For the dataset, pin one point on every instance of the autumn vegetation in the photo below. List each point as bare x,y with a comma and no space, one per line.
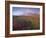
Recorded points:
26,22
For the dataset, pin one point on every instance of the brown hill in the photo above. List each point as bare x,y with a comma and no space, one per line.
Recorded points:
33,17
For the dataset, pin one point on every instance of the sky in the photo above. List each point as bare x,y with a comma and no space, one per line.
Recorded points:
19,11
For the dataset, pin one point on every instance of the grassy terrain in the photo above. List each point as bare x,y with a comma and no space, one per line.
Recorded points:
26,22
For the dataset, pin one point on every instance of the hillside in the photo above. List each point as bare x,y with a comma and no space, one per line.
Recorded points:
34,18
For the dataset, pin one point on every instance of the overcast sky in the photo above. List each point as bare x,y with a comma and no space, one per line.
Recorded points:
18,11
